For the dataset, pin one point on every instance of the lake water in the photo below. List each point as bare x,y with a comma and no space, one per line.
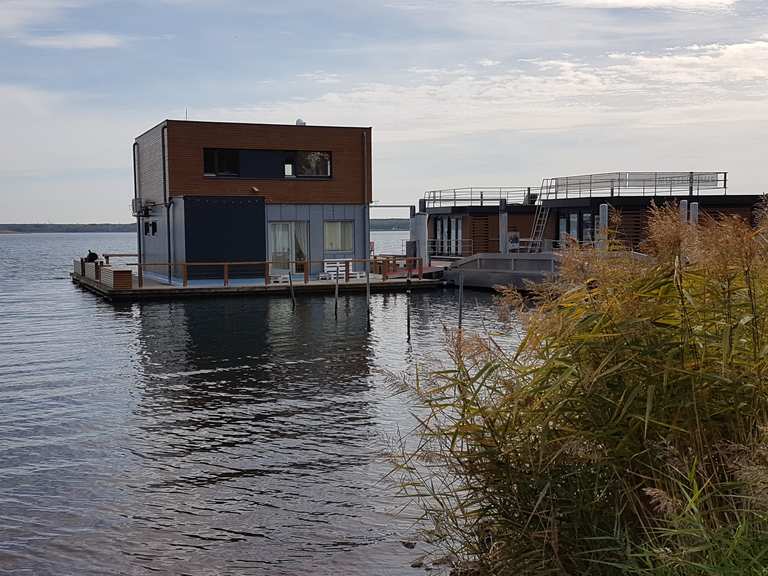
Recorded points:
209,436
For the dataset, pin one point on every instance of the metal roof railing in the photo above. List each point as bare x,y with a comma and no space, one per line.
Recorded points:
635,184
477,196
585,186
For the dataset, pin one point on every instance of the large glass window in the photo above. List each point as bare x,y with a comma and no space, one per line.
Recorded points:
339,236
312,164
586,227
218,162
267,164
289,245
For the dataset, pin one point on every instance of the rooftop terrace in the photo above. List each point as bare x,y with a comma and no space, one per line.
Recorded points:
588,185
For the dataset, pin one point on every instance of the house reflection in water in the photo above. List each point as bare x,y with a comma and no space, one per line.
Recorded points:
257,425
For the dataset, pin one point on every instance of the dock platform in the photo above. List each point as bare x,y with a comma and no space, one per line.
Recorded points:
154,290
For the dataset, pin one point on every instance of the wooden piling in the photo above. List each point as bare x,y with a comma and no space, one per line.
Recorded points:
461,296
336,295
408,304
293,294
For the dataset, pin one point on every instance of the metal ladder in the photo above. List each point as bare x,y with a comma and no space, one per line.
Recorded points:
540,217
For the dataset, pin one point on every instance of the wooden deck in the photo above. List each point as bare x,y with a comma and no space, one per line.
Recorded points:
154,290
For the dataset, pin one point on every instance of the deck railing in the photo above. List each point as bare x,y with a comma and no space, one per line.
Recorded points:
585,186
272,272
635,184
477,196
451,248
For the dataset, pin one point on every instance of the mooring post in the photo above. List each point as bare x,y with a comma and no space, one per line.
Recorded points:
290,283
336,299
461,296
408,303
368,292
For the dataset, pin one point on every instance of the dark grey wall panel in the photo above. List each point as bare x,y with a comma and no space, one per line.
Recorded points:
224,229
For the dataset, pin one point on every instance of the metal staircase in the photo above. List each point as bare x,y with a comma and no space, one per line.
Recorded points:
540,216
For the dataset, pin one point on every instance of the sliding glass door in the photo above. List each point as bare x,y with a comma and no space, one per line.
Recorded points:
289,246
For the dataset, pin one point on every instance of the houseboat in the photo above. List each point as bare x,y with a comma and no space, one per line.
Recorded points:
468,228
214,192
460,222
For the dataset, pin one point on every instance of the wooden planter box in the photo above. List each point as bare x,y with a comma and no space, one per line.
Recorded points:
117,278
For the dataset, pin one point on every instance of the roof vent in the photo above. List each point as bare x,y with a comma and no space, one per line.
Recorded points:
300,122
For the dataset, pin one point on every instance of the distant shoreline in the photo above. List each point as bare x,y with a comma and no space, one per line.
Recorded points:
377,225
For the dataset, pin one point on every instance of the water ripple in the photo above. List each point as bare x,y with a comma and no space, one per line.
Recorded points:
222,436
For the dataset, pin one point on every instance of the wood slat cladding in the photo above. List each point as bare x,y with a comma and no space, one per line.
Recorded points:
149,165
350,149
480,234
633,227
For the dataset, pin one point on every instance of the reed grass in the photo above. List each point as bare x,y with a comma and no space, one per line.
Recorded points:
627,432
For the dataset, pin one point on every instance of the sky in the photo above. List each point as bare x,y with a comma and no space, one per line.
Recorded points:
458,92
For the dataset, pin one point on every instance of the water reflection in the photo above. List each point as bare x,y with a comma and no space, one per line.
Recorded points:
233,436
260,415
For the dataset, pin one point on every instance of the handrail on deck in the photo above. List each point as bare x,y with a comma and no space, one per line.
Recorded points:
386,266
107,256
634,184
477,196
584,186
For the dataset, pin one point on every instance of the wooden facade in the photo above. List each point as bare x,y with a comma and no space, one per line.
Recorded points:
220,191
350,181
481,230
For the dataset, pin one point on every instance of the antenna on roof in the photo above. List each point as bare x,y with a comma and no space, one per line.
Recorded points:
300,122
186,116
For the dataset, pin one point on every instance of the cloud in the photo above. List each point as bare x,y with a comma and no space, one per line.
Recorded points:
689,85
19,20
682,5
75,41
320,77
686,5
487,62
18,15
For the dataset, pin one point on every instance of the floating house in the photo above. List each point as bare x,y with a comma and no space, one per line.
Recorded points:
461,222
294,195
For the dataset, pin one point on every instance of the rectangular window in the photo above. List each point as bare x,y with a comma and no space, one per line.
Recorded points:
266,164
221,162
339,236
586,227
313,164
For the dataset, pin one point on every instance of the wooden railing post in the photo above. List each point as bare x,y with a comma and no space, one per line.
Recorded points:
421,268
141,274
346,271
306,272
267,271
226,274
185,275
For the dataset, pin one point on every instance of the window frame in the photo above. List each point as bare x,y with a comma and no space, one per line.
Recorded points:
217,173
326,249
291,158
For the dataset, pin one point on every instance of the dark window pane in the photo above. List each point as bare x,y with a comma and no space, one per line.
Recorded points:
228,163
209,162
313,164
261,164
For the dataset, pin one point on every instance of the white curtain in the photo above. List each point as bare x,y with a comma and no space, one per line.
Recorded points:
339,236
280,244
301,239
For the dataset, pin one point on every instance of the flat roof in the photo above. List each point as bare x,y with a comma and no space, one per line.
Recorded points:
220,122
